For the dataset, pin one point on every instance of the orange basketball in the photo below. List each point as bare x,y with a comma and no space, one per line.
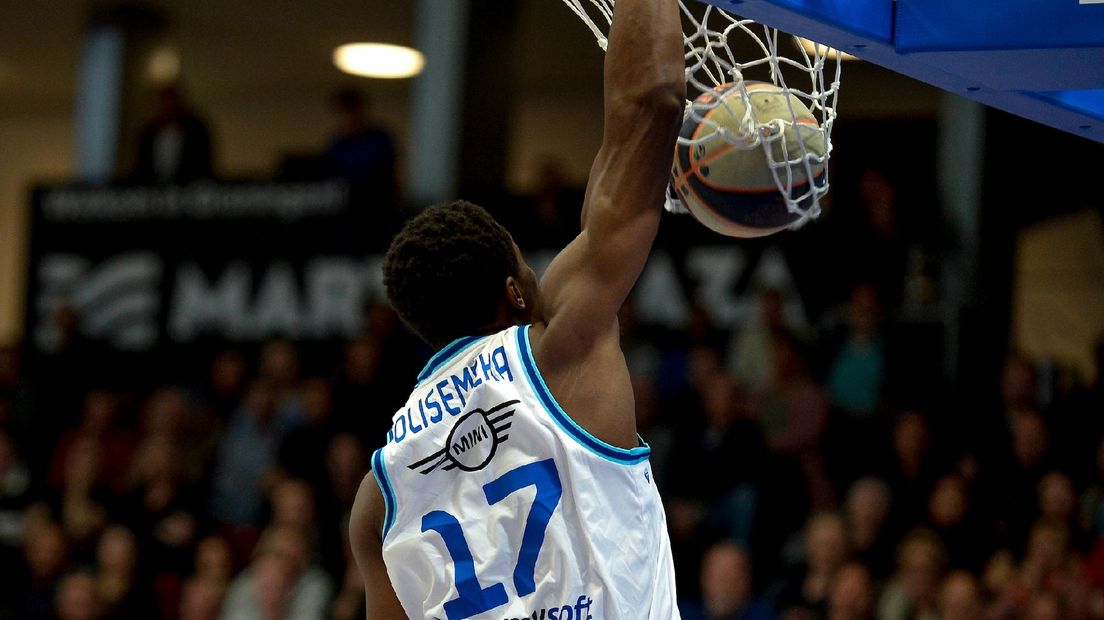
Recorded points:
733,190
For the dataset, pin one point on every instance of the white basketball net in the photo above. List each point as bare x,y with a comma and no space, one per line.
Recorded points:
710,36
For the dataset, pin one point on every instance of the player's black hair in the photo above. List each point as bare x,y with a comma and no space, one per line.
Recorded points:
445,271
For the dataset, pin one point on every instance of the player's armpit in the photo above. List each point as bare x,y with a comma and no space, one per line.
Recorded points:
365,526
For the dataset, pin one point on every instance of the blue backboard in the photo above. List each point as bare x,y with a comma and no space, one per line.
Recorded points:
1041,59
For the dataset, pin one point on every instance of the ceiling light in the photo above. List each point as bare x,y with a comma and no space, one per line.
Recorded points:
811,47
379,60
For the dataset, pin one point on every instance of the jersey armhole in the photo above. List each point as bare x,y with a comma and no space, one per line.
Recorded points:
559,416
379,472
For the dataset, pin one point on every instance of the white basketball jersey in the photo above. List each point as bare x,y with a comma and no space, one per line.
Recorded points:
499,506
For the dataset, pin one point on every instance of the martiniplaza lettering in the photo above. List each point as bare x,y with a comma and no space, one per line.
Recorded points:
449,395
579,611
139,299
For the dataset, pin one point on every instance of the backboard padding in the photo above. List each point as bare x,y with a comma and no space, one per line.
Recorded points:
974,51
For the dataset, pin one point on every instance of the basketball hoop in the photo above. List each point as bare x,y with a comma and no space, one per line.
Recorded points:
713,38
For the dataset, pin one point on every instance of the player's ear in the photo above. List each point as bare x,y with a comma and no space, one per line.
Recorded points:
513,293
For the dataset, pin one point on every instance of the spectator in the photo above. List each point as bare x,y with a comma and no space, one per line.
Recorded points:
729,446
876,251
360,390
77,599
1015,485
793,414
992,430
751,350
227,379
950,519
959,598
1048,569
869,534
175,145
29,592
1058,505
213,561
244,465
280,583
349,604
122,588
809,587
857,370
912,593
161,507
1019,386
360,151
281,367
83,500
346,464
1046,606
852,596
551,219
303,451
98,432
659,435
246,455
856,376
293,504
169,413
726,588
910,472
201,599
999,574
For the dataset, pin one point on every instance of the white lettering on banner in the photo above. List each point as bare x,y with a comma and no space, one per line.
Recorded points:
1092,1
119,299
277,306
771,272
337,292
198,307
716,270
203,200
334,293
659,297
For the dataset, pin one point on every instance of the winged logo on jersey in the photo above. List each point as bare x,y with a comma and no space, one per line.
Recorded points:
472,442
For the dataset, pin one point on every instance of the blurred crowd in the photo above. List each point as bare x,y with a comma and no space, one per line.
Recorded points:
795,488
808,471
223,495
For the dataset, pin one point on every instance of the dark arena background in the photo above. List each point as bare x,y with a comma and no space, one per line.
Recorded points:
894,413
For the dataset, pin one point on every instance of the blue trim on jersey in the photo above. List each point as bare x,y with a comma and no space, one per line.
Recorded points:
446,354
564,421
379,471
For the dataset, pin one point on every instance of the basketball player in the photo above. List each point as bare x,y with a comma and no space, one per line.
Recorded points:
513,483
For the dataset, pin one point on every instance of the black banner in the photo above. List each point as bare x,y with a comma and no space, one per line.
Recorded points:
145,267
166,275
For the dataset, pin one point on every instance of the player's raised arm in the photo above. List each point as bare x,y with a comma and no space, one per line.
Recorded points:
587,283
